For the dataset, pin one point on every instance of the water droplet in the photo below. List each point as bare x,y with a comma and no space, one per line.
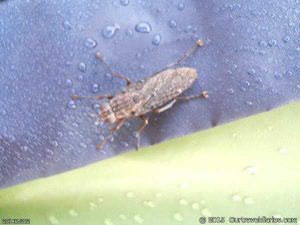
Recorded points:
129,32
67,25
93,206
150,204
248,201
24,148
278,76
143,27
251,170
178,216
286,39
110,31
262,43
53,220
69,83
95,88
129,194
108,222
71,104
156,39
82,67
283,151
236,198
206,212
73,212
49,152
124,2
54,143
158,195
172,24
272,42
195,206
183,202
249,103
138,219
183,185
90,43
180,6
123,217
251,72
230,91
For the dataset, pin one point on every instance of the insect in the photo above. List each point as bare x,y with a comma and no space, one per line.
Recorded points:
156,93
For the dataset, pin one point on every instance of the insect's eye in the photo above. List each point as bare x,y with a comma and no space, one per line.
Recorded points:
136,99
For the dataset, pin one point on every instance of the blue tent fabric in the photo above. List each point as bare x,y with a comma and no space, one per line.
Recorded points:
250,63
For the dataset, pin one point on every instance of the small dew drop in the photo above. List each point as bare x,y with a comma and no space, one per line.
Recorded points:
251,72
108,222
172,24
93,206
272,42
278,76
90,43
262,43
178,216
129,32
124,2
206,212
123,217
180,6
110,31
230,91
248,201
283,151
251,170
286,39
236,198
156,39
158,195
130,194
73,212
71,104
82,67
69,83
143,27
183,202
195,206
150,204
95,88
53,220
137,218
67,25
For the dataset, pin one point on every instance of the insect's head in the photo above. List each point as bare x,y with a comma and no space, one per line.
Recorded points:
107,115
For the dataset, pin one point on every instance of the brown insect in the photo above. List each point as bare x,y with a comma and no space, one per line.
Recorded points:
155,93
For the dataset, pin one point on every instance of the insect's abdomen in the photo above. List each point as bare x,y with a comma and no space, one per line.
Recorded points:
168,84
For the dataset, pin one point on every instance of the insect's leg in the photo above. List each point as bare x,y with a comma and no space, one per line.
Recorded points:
204,94
138,132
99,97
165,107
111,131
100,57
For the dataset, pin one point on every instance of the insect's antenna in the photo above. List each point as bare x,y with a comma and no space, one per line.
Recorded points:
188,53
100,57
99,97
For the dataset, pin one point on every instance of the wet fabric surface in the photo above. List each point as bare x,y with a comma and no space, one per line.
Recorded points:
250,63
